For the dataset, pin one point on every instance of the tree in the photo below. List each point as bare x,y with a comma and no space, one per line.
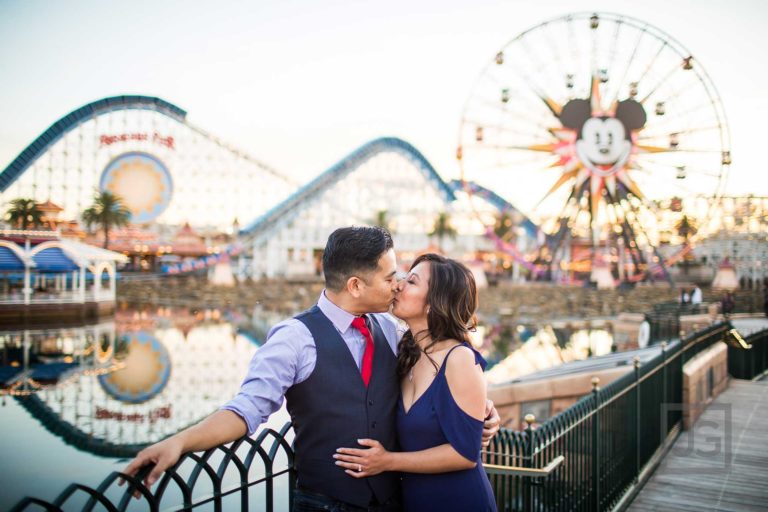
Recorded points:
107,211
24,213
443,228
504,227
382,220
686,228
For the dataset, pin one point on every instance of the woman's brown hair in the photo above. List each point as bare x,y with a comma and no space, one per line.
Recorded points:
452,301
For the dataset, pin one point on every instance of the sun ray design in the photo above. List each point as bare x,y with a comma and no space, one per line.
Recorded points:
596,148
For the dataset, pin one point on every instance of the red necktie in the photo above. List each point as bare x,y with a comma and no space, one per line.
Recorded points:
367,366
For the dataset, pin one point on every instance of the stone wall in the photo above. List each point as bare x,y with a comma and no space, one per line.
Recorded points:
530,302
704,377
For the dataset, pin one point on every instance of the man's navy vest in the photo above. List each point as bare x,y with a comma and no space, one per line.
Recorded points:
333,409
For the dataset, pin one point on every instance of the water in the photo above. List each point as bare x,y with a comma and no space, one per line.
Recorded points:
113,387
139,378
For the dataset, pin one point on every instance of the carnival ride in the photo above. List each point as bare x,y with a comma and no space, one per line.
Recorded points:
595,126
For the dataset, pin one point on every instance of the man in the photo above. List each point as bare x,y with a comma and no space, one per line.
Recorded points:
333,399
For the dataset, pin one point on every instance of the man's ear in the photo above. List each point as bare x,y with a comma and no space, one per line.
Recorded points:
354,285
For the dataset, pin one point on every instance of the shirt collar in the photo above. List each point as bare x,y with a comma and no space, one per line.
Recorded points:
340,318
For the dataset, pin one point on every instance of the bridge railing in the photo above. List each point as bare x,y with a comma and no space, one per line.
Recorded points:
610,439
592,456
748,362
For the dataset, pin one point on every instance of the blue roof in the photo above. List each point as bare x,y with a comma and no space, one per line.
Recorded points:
9,261
53,259
61,127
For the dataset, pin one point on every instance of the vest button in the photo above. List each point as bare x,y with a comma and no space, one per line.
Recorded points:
373,425
370,402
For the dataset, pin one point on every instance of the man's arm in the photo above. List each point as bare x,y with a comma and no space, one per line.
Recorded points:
288,357
220,427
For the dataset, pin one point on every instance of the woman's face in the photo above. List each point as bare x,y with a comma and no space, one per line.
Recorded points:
411,297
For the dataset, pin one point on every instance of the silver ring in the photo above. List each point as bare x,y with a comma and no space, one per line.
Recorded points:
359,468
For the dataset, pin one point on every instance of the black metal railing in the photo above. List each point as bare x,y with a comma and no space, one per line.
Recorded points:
591,457
610,439
751,363
250,474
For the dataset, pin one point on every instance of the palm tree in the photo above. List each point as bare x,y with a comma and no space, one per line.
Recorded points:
382,220
686,228
107,211
504,227
443,228
24,213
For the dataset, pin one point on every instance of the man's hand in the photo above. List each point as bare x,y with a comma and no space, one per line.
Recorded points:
163,455
492,423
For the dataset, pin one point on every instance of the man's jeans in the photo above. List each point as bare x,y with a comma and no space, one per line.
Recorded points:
305,501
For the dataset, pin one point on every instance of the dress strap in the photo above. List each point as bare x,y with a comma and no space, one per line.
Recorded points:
478,358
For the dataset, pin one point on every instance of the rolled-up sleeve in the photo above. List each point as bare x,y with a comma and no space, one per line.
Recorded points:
287,357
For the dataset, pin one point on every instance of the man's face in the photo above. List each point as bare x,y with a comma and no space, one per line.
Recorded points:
377,288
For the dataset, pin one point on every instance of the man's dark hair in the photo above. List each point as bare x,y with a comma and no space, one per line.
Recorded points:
351,251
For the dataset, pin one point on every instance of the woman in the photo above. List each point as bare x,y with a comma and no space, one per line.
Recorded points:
443,392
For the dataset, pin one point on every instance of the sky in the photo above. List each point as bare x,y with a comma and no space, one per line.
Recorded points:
299,84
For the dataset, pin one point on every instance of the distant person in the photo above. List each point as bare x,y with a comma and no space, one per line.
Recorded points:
443,393
727,304
644,332
336,365
684,297
696,297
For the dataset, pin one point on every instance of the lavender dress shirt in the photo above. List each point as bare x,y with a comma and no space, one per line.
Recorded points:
288,357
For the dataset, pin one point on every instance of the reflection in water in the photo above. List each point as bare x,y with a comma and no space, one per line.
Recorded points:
129,382
113,387
540,349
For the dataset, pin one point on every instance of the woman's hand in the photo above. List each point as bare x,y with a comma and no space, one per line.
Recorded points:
363,462
492,423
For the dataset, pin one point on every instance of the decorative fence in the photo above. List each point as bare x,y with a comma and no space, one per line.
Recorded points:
251,474
591,457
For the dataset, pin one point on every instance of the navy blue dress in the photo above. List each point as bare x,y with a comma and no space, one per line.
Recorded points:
434,419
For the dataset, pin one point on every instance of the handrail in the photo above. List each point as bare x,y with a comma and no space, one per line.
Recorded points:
497,469
735,340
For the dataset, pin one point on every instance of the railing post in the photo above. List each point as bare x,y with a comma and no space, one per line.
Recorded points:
664,388
636,361
596,444
528,462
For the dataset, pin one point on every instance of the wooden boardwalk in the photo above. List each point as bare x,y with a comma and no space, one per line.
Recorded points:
722,463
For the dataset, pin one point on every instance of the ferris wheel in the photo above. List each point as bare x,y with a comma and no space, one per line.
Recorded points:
597,127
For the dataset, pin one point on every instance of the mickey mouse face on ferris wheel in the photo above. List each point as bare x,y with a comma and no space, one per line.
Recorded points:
603,142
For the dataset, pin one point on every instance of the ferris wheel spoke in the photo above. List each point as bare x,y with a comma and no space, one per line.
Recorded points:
647,160
530,117
550,39
573,43
544,147
675,69
651,63
669,135
506,129
537,64
631,59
